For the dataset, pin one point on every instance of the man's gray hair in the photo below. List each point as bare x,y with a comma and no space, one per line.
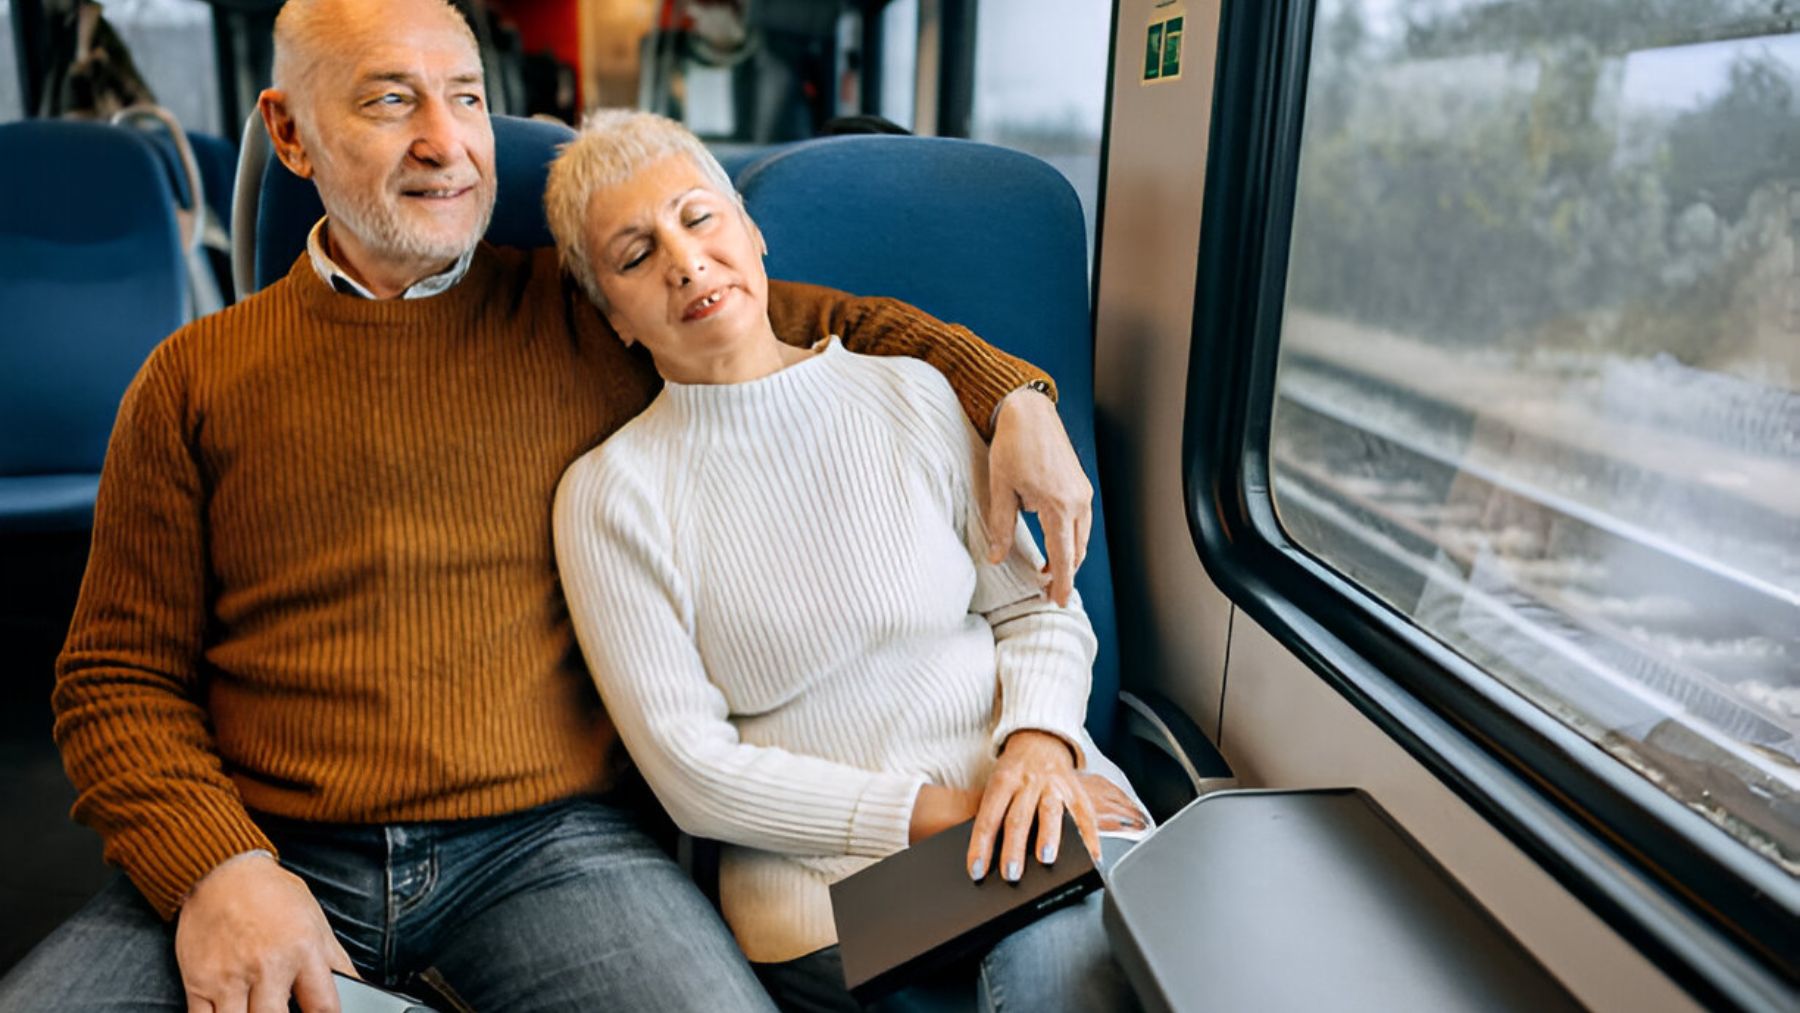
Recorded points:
612,146
304,32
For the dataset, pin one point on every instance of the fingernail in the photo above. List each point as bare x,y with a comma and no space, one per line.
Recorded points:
1013,872
978,870
1048,855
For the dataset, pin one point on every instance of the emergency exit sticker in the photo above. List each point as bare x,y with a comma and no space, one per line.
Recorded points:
1162,50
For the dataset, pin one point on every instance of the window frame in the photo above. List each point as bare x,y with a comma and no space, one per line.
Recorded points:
1704,908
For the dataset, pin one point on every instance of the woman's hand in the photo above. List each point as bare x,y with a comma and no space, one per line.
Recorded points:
1035,780
1113,809
937,808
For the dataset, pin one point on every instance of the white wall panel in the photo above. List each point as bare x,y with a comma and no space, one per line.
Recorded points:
1172,622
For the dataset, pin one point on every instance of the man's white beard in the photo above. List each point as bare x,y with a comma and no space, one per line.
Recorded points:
379,226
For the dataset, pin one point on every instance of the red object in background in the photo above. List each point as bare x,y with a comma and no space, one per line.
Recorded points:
548,24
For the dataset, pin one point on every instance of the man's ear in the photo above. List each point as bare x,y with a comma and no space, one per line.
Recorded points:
284,131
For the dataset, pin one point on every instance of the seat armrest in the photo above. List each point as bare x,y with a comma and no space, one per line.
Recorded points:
1166,756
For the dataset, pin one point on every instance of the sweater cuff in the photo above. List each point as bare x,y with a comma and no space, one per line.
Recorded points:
982,392
1041,701
882,822
166,857
1069,738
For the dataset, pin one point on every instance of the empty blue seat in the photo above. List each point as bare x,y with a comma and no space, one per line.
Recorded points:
288,206
982,236
734,157
91,276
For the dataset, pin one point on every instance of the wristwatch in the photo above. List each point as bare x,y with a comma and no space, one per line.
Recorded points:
1041,386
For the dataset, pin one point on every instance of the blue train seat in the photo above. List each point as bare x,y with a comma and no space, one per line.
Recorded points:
983,236
217,158
91,275
285,207
735,157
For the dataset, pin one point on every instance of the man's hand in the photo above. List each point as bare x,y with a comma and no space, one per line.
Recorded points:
1032,464
1035,780
251,935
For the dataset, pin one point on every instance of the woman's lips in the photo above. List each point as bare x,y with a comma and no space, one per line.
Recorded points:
705,306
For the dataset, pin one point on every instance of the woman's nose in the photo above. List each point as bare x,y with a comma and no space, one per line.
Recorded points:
686,262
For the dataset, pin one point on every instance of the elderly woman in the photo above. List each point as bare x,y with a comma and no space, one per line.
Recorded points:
780,578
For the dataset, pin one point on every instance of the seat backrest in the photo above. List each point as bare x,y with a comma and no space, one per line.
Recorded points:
978,235
217,158
91,275
288,206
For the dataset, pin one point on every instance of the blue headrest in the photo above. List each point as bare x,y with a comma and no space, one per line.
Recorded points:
735,157
978,235
91,277
523,149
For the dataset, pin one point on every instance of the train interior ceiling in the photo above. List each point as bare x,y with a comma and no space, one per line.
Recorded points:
1445,409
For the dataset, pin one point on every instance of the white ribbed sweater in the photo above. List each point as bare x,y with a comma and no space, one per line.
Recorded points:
777,589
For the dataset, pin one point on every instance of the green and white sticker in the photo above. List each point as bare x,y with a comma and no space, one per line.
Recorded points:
1162,50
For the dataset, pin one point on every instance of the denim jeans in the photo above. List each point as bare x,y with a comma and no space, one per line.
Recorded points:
1059,962
567,907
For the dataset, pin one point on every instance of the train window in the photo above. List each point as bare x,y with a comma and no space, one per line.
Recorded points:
1539,369
12,103
171,42
762,73
1040,85
899,60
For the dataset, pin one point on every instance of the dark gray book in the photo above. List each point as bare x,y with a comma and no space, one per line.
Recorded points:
916,911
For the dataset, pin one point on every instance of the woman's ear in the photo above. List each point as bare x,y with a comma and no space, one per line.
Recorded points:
624,335
617,325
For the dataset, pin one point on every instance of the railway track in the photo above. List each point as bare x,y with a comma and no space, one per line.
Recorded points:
1614,626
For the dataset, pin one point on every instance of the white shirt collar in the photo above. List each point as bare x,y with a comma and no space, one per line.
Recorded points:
340,280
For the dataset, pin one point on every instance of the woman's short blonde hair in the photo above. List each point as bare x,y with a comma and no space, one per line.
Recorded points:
613,145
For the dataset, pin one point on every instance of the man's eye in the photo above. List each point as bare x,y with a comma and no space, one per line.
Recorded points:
472,101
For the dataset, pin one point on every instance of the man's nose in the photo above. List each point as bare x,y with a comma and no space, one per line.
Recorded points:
439,135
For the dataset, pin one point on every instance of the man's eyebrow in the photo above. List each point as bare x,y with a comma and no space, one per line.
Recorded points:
408,78
390,76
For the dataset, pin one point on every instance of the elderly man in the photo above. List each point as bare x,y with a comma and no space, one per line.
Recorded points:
321,696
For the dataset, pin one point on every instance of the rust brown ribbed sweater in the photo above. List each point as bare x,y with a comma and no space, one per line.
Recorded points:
322,583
